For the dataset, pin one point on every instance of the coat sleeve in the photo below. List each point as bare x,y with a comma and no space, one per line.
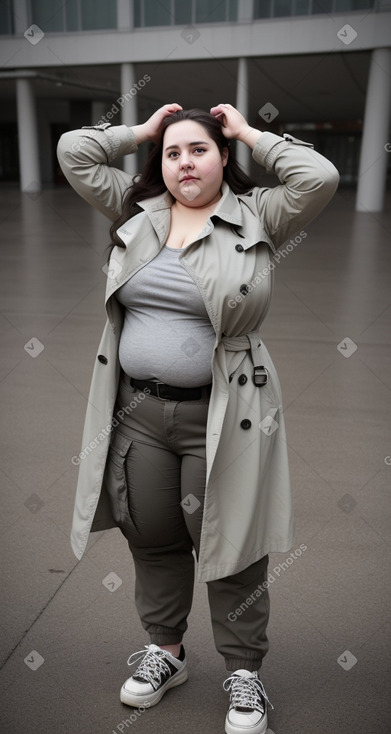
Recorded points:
308,182
84,156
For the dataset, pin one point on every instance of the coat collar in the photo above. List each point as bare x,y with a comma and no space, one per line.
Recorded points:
158,210
228,209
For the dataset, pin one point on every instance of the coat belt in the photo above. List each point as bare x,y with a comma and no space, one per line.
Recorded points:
251,341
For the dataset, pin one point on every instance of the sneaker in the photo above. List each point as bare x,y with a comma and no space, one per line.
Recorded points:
158,671
248,703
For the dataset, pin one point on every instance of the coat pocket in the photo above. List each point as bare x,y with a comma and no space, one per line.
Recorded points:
115,480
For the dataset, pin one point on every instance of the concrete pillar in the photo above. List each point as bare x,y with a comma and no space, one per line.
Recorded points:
374,152
98,111
243,152
129,110
30,175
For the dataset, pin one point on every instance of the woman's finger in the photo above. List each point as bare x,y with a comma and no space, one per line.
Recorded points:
221,118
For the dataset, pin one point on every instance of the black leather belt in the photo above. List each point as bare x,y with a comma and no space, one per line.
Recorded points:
161,390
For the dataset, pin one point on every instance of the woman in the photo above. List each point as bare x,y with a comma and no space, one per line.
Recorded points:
184,442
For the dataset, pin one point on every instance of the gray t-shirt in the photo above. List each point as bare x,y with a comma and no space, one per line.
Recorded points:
167,334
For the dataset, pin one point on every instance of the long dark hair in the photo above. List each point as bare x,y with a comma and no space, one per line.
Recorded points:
150,182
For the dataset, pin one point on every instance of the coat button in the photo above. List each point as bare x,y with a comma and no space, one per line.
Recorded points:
239,248
243,289
245,424
102,358
242,379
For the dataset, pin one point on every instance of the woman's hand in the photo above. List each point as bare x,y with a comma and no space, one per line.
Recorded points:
151,129
234,125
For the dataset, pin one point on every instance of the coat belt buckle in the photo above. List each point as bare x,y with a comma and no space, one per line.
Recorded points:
260,376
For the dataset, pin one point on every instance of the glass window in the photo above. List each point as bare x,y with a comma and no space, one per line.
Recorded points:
137,13
282,8
157,13
183,14
210,11
48,15
301,7
72,15
262,8
343,5
322,6
98,14
6,25
233,10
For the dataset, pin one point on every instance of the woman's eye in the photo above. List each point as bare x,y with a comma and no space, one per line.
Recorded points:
174,153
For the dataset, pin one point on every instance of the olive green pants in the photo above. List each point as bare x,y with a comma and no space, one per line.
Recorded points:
155,475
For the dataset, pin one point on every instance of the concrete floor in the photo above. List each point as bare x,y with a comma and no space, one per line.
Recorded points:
328,667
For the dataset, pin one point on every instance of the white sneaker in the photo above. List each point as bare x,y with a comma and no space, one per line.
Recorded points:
247,712
158,671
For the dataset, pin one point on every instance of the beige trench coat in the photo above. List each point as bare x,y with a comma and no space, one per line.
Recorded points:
248,510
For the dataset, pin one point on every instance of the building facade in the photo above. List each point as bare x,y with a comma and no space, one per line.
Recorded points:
318,69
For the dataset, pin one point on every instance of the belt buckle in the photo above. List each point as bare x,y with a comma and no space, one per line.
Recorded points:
260,376
158,391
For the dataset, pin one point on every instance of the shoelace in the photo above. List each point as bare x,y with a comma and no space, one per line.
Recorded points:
246,693
152,667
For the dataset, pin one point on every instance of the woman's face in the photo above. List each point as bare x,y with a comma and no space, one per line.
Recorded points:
192,166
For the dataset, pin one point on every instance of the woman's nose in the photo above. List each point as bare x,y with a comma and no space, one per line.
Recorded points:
185,161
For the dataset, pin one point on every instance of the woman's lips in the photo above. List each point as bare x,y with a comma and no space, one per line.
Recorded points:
189,178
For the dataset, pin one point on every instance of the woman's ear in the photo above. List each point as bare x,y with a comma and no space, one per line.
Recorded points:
224,156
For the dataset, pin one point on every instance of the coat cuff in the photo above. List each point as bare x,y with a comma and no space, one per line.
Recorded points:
266,149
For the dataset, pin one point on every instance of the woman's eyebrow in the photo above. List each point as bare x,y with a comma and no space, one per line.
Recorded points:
196,142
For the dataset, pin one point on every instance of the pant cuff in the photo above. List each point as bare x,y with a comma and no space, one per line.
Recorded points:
243,663
164,635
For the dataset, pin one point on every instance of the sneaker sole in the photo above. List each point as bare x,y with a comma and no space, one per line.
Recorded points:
260,728
131,699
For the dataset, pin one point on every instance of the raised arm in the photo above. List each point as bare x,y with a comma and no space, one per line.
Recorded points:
308,179
85,156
